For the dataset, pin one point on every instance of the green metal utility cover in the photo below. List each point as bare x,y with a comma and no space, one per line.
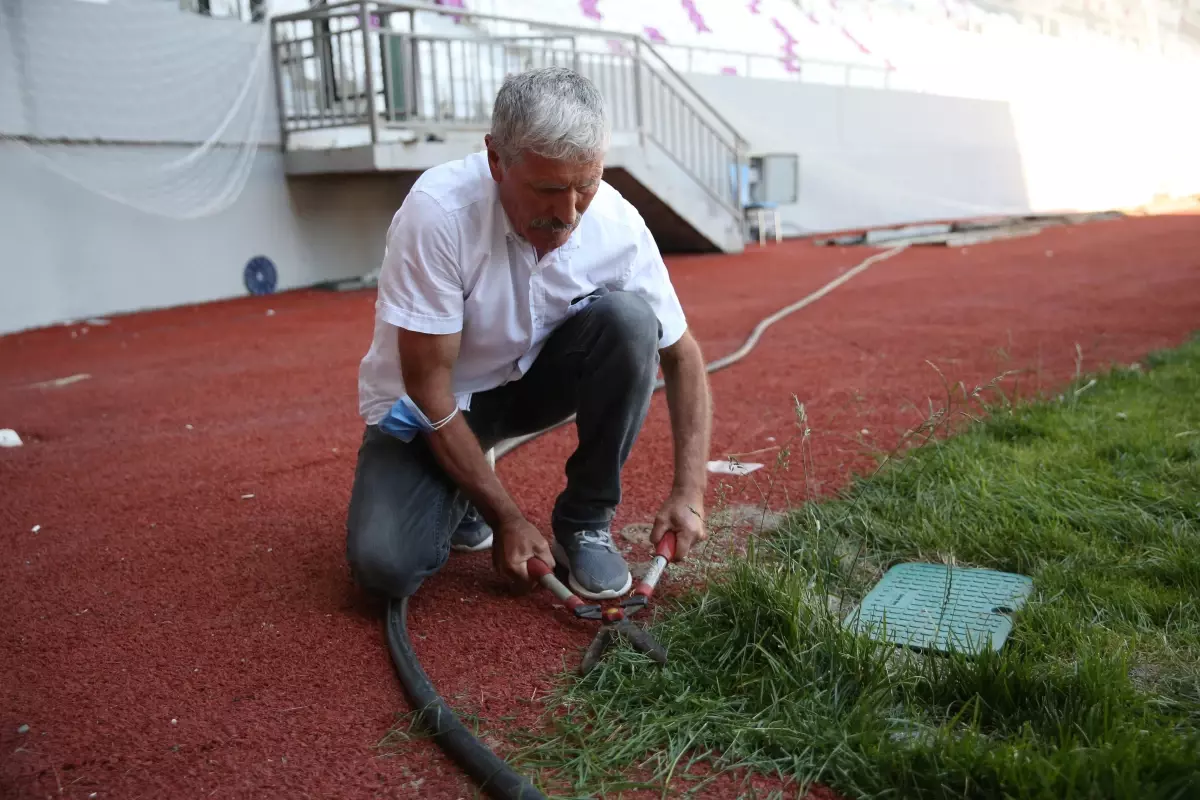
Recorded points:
936,607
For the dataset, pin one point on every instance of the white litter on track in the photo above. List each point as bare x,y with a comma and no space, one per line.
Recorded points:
57,382
733,467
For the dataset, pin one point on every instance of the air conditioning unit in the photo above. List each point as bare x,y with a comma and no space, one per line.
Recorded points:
775,178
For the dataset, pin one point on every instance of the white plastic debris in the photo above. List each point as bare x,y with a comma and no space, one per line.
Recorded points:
23,729
188,426
57,382
730,468
247,496
174,722
270,312
36,528
9,438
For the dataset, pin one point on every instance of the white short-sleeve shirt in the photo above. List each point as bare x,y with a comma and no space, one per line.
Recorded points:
453,263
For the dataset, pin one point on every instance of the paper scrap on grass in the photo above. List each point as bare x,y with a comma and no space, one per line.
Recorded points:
9,438
731,468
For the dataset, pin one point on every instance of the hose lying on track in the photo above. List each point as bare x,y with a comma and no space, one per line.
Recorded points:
491,772
486,768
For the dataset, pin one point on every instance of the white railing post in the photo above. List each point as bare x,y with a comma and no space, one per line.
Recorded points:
364,18
277,68
637,90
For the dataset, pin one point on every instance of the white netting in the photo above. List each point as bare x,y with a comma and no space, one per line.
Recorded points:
138,101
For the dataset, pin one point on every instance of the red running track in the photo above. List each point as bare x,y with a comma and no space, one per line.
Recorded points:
165,634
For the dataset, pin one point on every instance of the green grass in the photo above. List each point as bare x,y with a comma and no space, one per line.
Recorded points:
1096,694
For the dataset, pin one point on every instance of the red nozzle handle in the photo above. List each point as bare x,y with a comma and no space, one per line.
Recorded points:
538,569
666,547
541,571
662,557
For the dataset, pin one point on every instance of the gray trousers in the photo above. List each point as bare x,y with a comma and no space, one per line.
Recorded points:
599,364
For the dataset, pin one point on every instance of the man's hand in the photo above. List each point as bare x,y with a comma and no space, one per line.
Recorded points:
517,541
682,514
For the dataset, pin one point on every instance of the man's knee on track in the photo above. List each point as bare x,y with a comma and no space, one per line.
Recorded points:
377,565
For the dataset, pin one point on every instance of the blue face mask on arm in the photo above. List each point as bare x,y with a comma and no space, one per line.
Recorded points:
404,420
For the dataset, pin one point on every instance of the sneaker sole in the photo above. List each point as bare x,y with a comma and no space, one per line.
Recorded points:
560,557
467,548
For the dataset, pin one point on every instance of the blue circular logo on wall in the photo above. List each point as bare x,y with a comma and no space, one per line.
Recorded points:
260,275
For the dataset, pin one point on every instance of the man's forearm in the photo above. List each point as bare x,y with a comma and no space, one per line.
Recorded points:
690,407
427,365
462,458
460,455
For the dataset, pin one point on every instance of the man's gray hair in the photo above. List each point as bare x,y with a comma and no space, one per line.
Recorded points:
553,112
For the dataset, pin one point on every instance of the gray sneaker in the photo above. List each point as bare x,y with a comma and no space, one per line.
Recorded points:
472,534
597,570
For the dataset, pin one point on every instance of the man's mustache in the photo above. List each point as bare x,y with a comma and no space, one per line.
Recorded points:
553,224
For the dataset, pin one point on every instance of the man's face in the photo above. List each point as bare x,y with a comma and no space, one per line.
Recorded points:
545,198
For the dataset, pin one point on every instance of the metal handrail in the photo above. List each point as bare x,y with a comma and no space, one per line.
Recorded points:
682,123
327,11
645,44
703,184
316,11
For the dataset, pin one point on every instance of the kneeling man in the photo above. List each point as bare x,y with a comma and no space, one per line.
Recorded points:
517,289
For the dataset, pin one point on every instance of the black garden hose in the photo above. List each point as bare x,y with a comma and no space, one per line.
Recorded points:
491,772
487,769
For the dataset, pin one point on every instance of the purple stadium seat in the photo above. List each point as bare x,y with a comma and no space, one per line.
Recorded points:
654,35
589,9
695,16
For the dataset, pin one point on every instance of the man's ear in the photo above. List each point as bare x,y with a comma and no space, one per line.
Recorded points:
494,165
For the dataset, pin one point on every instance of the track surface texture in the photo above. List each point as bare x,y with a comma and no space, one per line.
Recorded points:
165,634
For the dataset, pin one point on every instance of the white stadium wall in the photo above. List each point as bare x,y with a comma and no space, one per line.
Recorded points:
878,157
95,229
70,254
171,204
